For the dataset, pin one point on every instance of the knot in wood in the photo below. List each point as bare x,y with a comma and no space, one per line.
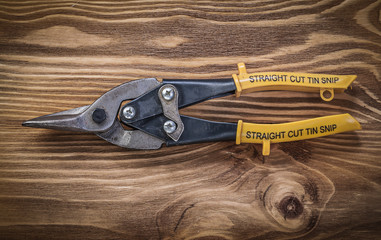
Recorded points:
290,207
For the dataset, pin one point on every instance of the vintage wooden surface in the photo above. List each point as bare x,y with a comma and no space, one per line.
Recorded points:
56,55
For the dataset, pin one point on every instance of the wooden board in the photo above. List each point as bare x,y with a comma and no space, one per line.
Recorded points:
57,55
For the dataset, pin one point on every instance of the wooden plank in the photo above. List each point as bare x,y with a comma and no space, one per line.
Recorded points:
58,55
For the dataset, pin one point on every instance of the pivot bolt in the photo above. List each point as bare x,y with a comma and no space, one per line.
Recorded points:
168,93
169,126
99,115
129,112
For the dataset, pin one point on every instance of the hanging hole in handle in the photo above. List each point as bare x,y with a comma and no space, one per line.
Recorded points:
327,94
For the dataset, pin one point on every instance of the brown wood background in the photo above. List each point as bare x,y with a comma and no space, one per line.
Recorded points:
56,55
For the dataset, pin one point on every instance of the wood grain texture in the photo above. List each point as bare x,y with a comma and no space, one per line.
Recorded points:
56,55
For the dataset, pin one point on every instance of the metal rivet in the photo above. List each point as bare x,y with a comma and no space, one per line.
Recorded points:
129,112
169,126
168,93
99,115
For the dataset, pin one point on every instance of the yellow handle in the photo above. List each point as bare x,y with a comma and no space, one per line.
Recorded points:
306,82
294,131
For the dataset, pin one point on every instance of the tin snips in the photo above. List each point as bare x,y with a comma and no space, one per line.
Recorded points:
153,111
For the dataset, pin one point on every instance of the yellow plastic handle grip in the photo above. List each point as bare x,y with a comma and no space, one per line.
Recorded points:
294,131
305,82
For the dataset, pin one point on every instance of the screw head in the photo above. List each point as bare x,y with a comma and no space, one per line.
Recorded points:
168,93
99,115
169,126
129,112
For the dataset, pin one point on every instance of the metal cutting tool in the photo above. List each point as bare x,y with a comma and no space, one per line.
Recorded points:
153,111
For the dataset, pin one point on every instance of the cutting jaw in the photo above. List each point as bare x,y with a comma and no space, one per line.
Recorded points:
101,119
